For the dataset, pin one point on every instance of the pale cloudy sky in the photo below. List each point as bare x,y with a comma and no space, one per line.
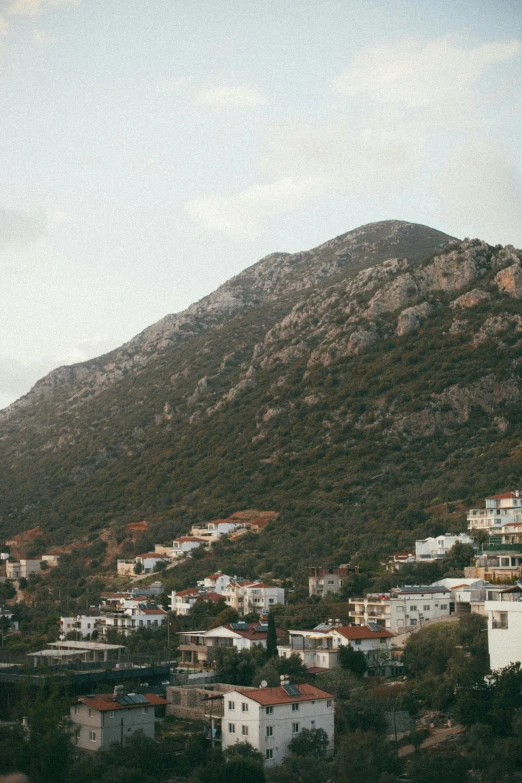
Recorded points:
154,148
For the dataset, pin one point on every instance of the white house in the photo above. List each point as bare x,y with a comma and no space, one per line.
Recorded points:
213,531
183,545
139,616
107,718
82,625
269,718
197,647
319,648
216,583
322,581
182,602
149,561
499,510
403,607
246,597
505,627
436,547
18,569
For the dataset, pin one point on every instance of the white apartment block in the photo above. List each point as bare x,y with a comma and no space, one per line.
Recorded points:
182,602
83,626
499,510
438,546
217,582
269,718
107,718
246,597
197,647
403,607
505,627
322,581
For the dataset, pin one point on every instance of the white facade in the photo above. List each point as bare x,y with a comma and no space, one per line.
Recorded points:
150,560
403,608
504,631
269,719
246,597
217,582
82,625
499,510
320,649
18,569
439,546
182,546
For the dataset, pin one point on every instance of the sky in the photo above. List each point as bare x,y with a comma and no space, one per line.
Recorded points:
152,149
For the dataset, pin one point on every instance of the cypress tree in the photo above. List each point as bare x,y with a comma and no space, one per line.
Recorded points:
271,637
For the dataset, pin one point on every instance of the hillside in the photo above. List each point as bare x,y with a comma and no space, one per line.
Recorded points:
348,388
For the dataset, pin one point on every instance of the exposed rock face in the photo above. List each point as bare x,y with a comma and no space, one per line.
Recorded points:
509,281
275,276
471,299
411,318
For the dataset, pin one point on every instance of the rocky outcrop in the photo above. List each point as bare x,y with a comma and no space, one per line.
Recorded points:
471,298
411,318
509,281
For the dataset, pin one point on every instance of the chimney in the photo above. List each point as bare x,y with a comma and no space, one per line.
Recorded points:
337,622
119,690
330,621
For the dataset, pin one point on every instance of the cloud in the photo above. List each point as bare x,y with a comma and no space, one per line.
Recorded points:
18,227
480,189
35,7
229,96
241,216
416,74
43,37
4,28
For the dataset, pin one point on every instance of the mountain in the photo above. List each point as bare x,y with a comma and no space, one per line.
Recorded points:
349,387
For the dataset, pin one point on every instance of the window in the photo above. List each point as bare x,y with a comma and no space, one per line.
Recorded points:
231,705
244,707
269,710
413,608
269,753
358,642
269,731
444,606
92,736
329,702
499,620
413,622
111,714
295,728
231,728
76,709
426,607
244,731
90,713
144,710
295,707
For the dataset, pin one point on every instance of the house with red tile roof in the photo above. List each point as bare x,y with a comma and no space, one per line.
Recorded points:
270,718
181,602
197,647
499,510
245,596
319,648
106,718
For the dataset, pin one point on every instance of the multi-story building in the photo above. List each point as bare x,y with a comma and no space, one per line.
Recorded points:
18,569
216,583
197,647
437,547
82,625
124,615
497,562
505,627
149,560
403,607
269,718
499,510
183,546
322,581
182,602
247,597
109,718
319,648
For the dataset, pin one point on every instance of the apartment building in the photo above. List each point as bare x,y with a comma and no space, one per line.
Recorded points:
247,597
197,647
269,718
499,510
505,627
322,581
403,607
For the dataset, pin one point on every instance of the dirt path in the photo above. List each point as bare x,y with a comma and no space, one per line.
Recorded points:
436,737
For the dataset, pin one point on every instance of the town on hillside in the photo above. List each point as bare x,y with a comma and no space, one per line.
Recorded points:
274,669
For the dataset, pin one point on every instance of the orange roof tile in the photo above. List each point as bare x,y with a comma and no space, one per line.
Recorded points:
106,701
278,695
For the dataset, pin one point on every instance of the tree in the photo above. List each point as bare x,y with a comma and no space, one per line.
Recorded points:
459,556
271,637
352,660
301,769
138,568
363,757
310,742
